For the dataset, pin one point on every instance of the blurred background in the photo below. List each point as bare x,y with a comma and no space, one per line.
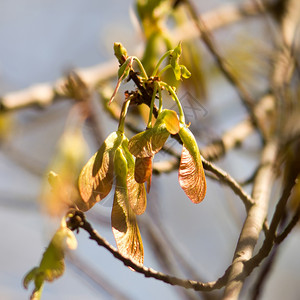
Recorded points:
40,42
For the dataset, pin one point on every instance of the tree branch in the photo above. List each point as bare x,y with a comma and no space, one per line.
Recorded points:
76,220
254,221
289,227
228,180
277,217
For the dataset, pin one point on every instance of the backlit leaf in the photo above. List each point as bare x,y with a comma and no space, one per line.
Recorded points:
174,61
96,178
170,118
30,276
123,219
150,141
136,191
191,175
185,73
143,171
52,264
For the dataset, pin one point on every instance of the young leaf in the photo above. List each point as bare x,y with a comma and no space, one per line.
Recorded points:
52,264
191,175
123,219
174,61
143,171
96,178
170,119
185,73
30,276
136,191
149,142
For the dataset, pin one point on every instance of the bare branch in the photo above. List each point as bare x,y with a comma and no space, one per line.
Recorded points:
77,220
279,239
254,221
277,217
43,94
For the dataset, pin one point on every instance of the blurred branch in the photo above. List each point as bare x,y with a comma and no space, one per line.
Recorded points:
223,65
163,247
237,134
77,220
263,275
254,221
270,260
92,275
44,94
277,217
289,227
218,18
77,89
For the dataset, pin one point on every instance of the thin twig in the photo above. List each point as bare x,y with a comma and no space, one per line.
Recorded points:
77,220
228,180
271,236
264,273
162,249
280,238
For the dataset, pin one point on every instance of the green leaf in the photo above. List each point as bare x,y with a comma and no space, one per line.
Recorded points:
174,61
123,219
150,141
136,191
191,174
185,73
30,276
96,178
170,119
52,264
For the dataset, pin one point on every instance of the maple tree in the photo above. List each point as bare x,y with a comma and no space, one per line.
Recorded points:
125,162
